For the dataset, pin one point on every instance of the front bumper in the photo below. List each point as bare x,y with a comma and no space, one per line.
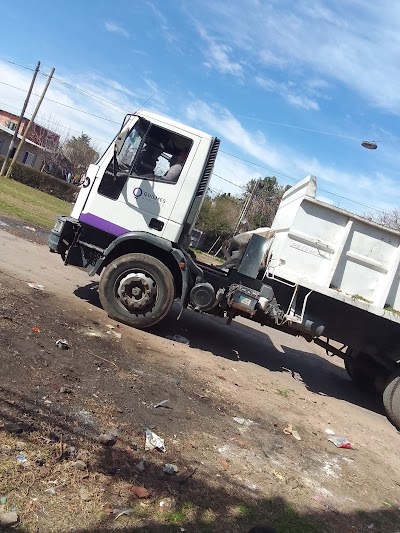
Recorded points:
63,234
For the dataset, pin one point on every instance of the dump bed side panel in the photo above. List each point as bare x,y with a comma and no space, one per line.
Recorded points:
334,249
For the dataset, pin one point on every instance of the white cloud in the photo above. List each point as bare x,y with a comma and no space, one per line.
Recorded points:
221,121
268,84
325,199
289,92
218,56
353,43
231,175
161,17
113,27
268,58
301,101
169,33
219,59
77,117
320,13
377,189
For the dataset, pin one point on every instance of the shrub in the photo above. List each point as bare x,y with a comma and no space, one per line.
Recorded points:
43,182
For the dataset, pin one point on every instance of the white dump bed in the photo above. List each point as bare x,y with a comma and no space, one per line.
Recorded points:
335,252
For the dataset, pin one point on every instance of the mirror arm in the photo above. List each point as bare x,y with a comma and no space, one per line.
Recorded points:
115,163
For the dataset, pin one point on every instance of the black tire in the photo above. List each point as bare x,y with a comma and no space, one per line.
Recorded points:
391,399
357,369
135,272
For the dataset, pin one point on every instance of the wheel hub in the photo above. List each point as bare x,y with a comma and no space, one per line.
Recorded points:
137,290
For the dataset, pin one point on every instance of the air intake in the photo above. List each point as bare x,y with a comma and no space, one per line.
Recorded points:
208,168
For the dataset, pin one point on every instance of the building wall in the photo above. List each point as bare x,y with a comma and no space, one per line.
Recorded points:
7,119
29,154
37,134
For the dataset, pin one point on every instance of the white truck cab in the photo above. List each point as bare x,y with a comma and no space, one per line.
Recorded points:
137,207
129,189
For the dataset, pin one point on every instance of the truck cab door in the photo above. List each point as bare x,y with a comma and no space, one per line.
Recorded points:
137,188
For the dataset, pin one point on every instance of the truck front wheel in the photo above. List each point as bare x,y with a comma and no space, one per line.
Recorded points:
137,289
391,399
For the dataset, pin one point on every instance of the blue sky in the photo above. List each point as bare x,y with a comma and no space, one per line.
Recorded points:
291,88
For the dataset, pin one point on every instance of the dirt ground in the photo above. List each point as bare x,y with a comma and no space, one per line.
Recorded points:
232,474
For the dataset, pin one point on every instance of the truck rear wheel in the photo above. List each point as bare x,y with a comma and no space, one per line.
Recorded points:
357,369
137,289
391,399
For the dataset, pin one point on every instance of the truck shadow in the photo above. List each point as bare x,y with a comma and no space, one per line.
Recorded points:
242,341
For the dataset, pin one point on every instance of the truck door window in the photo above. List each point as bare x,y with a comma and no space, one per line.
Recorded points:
149,152
162,156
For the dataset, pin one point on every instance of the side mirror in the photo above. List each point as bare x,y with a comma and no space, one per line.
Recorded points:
119,141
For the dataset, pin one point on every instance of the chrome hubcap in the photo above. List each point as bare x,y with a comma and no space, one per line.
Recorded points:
137,291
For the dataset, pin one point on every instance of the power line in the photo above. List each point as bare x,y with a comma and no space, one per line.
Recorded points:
264,167
352,201
64,105
16,64
228,181
293,126
296,180
274,171
87,93
213,189
320,190
69,85
226,153
229,169
94,96
300,128
56,123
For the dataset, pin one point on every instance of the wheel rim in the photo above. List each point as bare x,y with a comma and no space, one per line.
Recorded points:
137,291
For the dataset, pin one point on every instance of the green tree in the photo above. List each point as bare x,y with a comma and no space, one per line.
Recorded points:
218,215
80,153
265,195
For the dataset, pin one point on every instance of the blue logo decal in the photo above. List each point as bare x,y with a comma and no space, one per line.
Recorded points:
137,192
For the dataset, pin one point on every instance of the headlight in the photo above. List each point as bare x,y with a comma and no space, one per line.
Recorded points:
58,226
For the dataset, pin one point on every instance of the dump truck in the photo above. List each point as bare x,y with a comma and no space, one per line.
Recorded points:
321,272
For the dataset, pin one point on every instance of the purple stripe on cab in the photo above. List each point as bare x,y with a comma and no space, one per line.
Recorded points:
100,223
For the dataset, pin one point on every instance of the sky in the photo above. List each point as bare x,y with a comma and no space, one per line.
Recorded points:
290,88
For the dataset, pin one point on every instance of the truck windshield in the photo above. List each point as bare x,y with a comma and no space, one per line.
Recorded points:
131,146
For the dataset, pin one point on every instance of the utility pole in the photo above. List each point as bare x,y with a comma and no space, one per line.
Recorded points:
3,168
245,207
242,214
30,123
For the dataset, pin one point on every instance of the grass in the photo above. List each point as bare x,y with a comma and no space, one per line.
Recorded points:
283,392
289,521
207,258
176,517
283,517
29,204
245,511
183,513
